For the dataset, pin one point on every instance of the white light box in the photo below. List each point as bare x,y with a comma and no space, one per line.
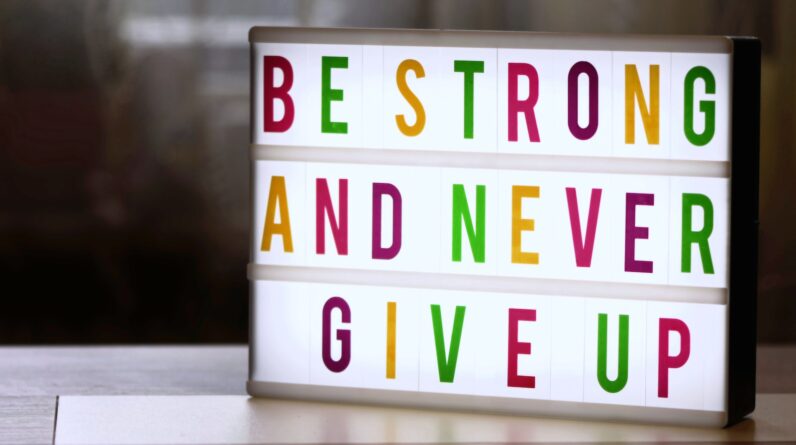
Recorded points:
537,224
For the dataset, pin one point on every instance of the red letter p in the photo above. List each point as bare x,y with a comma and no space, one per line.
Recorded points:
666,361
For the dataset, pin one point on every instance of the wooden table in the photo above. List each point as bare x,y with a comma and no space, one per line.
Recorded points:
31,378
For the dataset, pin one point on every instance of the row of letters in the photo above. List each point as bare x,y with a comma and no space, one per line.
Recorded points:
626,352
532,101
583,226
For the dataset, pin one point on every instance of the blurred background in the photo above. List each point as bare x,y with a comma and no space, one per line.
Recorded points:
124,161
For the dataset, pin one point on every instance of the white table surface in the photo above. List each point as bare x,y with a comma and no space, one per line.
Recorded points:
242,420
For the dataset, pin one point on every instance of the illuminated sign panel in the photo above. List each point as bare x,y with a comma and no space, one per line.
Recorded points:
526,223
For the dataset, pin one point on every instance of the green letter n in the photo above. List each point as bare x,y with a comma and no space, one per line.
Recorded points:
461,214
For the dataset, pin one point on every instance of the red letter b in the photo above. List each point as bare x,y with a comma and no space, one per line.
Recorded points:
272,92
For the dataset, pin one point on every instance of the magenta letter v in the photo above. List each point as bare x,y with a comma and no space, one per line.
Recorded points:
583,247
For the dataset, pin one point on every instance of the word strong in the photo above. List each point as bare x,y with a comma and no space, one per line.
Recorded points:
541,223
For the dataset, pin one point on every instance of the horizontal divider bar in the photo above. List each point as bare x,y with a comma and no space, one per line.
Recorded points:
499,161
536,286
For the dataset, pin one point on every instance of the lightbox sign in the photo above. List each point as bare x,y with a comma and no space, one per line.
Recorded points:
529,223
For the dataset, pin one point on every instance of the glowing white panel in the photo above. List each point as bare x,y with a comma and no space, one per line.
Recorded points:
290,58
439,343
409,206
493,344
286,243
523,328
567,348
363,337
281,334
372,96
334,96
679,374
330,204
460,190
703,134
527,232
461,102
423,72
569,195
585,133
527,118
705,228
620,378
637,77
640,249
570,226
